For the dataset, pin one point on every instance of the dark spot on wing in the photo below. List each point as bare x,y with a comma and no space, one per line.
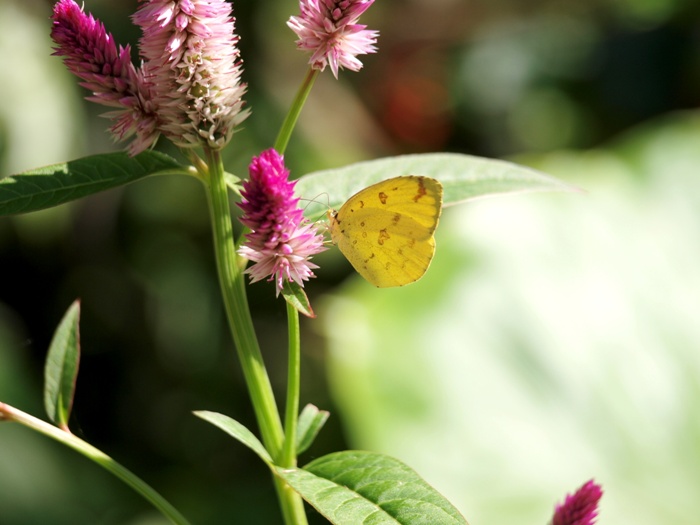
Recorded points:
421,191
383,236
382,197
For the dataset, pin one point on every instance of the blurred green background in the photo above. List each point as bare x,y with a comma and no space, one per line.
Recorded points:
554,339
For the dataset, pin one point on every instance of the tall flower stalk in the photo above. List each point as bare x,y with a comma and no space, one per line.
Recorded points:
189,89
241,324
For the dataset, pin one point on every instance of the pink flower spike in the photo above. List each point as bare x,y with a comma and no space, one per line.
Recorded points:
193,62
281,241
579,508
90,53
328,29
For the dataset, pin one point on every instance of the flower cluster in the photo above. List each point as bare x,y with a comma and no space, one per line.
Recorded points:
328,29
189,85
281,240
90,53
192,60
579,508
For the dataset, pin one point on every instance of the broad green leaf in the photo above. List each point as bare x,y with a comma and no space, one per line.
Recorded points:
60,183
463,178
237,431
61,369
296,296
366,488
311,420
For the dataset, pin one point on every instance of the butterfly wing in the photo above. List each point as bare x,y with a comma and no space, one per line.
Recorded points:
386,230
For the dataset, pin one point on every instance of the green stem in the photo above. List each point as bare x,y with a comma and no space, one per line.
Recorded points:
9,413
238,312
289,452
241,323
293,506
288,457
291,119
291,503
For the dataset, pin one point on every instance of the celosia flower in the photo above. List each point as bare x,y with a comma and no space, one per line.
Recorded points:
329,30
281,241
192,60
579,508
90,53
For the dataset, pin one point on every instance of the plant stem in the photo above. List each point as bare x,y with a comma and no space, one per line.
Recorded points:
288,457
289,452
241,324
295,109
291,503
9,413
293,506
238,312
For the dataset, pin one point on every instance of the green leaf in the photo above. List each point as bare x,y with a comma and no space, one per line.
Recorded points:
232,182
366,488
53,185
311,420
463,177
237,431
61,369
295,295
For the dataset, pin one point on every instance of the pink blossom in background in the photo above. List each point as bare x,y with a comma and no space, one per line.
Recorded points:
281,241
193,62
328,29
90,53
579,508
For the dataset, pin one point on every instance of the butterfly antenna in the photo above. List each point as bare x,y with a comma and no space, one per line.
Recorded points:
317,200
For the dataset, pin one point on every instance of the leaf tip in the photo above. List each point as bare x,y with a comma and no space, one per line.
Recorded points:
295,295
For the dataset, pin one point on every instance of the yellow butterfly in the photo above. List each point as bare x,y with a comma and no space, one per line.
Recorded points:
386,230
